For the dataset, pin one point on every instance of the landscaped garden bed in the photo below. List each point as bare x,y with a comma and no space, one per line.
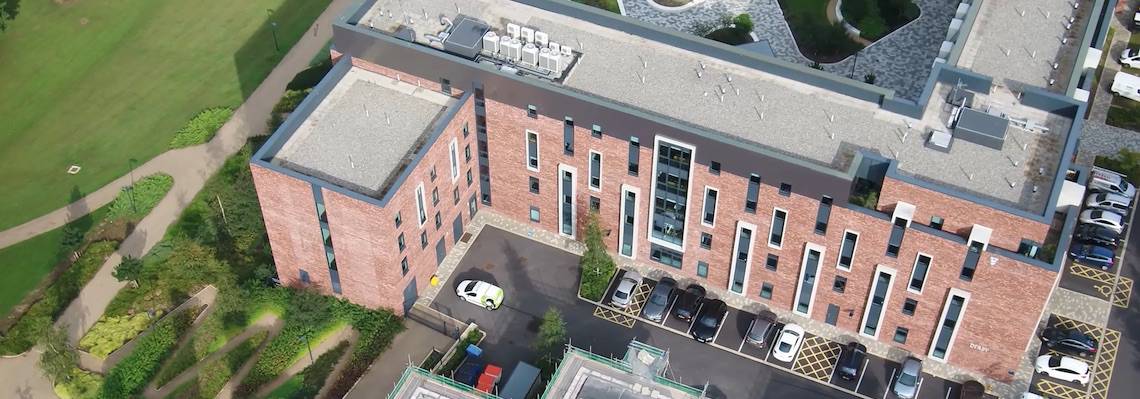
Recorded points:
817,38
597,267
878,18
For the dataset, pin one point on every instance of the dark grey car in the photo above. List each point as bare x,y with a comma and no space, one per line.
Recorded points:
659,299
761,328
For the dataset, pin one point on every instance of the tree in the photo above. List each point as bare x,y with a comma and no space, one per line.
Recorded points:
550,341
59,359
8,11
743,22
597,265
129,269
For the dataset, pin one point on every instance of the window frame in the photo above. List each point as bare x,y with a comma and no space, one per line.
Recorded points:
925,275
590,179
527,133
879,269
772,228
854,249
704,206
453,154
808,247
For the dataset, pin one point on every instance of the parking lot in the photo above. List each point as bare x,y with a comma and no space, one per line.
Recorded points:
536,277
1101,364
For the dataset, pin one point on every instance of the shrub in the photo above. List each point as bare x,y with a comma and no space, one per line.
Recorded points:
40,316
314,376
597,267
460,353
214,375
81,385
309,77
134,371
730,36
290,100
110,333
1125,161
743,22
872,27
201,127
136,201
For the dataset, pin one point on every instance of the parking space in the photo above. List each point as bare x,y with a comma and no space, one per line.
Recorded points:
876,378
1098,283
733,328
1101,364
817,358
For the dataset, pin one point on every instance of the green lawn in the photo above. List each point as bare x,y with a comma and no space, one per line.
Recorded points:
28,262
97,83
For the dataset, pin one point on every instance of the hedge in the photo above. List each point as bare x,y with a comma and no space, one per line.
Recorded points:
214,375
314,376
82,385
134,371
201,127
460,352
40,316
111,333
136,202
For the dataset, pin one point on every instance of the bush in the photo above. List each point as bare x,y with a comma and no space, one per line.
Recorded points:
730,36
872,27
460,353
81,385
315,375
743,23
214,375
309,77
111,333
876,18
1125,161
597,267
135,202
40,316
133,372
290,100
201,127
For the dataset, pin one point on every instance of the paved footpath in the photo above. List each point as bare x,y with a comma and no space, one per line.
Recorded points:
190,167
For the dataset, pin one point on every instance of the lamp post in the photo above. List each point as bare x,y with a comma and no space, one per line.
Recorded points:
131,188
305,337
273,28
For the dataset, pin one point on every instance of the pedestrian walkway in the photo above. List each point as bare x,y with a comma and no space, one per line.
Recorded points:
410,346
190,167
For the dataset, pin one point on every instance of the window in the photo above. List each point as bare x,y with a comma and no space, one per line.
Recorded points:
895,241
876,300
595,171
400,242
532,150
840,284
823,215
466,129
672,168
434,196
742,248
805,290
847,250
433,173
634,153
469,178
532,111
628,227
918,274
567,205
305,277
909,306
596,131
438,220
665,256
936,222
398,219
706,240
455,196
404,267
832,314
568,135
471,206
776,234
445,86
533,214
785,189
709,217
595,204
773,262
970,264
948,326
533,184
423,240
454,157
900,334
753,193
702,269
420,211
322,215
766,291
714,168
467,153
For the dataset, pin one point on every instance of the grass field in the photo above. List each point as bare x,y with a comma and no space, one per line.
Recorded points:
97,83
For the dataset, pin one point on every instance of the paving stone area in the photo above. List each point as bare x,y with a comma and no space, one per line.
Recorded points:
1078,306
901,61
1098,138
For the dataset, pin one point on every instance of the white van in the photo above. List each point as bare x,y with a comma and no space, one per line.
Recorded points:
1126,85
1111,182
1108,201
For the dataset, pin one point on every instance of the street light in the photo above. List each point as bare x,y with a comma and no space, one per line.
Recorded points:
305,337
131,188
273,25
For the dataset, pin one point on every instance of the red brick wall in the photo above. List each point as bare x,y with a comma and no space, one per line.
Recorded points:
959,215
290,216
432,84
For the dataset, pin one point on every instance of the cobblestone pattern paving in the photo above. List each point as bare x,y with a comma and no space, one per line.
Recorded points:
1098,138
1077,306
901,61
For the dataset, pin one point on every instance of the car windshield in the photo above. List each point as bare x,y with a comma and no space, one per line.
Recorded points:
785,347
1096,214
907,379
658,299
708,321
1055,361
621,295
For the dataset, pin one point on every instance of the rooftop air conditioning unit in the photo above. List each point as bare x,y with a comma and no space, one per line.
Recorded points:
555,47
527,35
549,60
503,42
513,31
530,54
541,38
513,50
490,43
567,51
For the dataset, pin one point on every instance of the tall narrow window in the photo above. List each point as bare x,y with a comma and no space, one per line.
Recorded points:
634,154
532,150
742,259
970,264
454,153
595,170
628,226
918,274
847,251
809,270
420,211
753,193
823,215
709,218
898,230
566,206
672,169
876,301
434,196
400,242
947,327
568,136
776,234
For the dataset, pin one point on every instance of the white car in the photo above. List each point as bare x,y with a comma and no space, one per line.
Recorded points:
1130,58
480,293
1108,219
623,295
1107,201
1063,368
788,343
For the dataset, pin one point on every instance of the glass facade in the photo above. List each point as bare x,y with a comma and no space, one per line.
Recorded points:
628,212
566,210
946,328
807,280
670,193
878,301
740,262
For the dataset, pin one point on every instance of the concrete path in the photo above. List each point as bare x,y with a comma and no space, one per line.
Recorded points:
411,345
190,168
346,333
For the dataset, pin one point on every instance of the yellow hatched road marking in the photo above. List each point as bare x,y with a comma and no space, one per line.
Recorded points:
639,296
615,317
1056,390
817,358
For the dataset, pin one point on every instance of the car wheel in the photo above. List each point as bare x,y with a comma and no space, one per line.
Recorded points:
490,305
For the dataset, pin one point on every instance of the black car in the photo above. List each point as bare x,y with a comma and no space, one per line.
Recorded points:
1098,235
689,302
1071,341
850,360
708,320
659,299
760,329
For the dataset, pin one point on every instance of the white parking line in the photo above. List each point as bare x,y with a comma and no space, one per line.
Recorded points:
668,311
862,373
890,381
742,341
693,319
919,387
948,391
719,327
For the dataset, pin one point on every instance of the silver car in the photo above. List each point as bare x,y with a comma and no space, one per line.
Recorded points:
624,293
906,386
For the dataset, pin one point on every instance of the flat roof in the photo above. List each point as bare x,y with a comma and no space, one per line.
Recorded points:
1017,41
787,116
364,131
584,375
982,123
417,383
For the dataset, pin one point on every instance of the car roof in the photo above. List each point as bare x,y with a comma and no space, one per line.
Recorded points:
1104,214
696,287
794,327
1106,196
911,366
1073,364
1100,251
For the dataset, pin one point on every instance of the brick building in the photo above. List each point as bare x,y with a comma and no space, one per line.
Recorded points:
766,182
